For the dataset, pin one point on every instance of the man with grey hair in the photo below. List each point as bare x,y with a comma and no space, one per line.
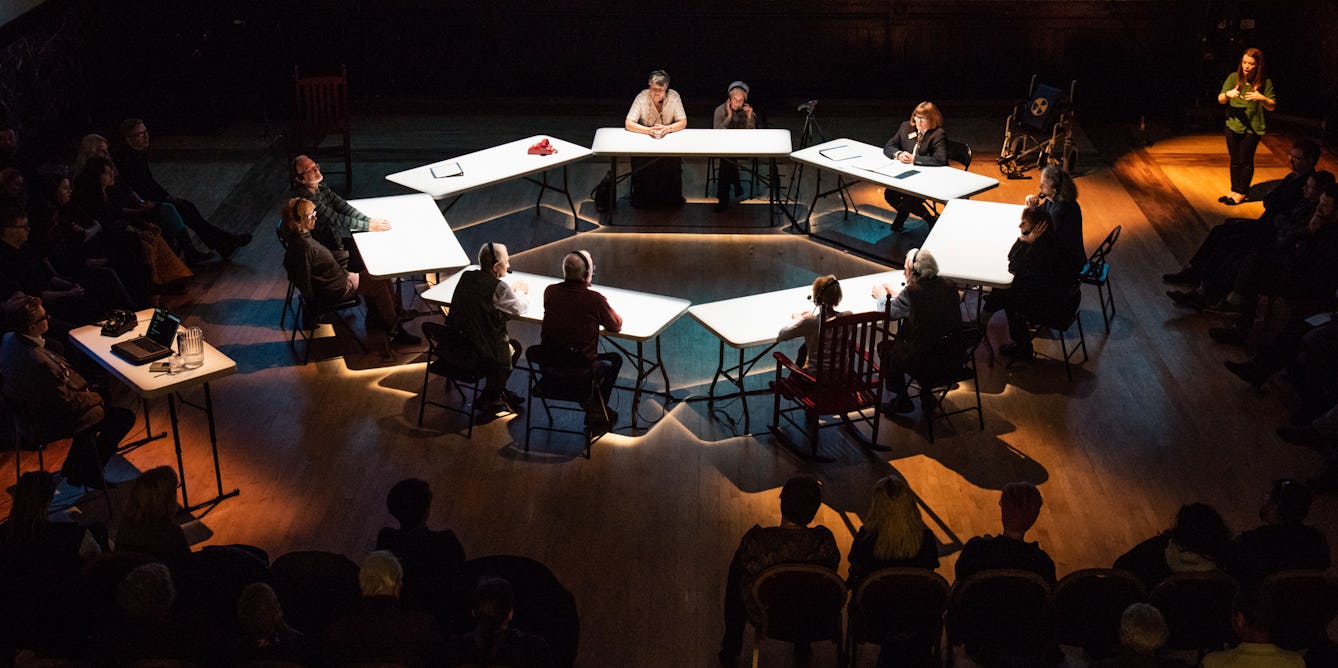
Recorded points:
380,631
1143,633
573,316
480,308
929,313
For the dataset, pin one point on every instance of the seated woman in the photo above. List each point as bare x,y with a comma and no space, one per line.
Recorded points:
1041,279
657,111
919,141
893,534
1199,542
929,310
70,252
826,297
318,276
148,525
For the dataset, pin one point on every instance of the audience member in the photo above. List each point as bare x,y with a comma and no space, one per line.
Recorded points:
573,316
22,268
132,158
792,542
71,250
929,311
1284,542
1019,506
336,219
1058,196
13,188
657,111
54,400
893,534
11,154
431,559
1199,542
150,630
321,279
1251,618
1041,279
807,324
733,114
919,141
148,523
1143,634
265,636
380,631
493,642
480,308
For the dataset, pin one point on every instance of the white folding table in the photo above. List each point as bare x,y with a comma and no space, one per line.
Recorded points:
755,320
149,385
971,240
419,239
866,162
771,144
491,166
645,316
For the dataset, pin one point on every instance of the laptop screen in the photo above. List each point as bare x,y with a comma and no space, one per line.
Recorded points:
163,327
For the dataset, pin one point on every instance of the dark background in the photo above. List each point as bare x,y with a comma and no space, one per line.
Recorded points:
72,64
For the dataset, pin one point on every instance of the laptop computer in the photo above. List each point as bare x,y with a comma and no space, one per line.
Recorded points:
155,344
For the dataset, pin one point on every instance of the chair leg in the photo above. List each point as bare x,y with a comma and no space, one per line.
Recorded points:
811,428
422,396
1106,297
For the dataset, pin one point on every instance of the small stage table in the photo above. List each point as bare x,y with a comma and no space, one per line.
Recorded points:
971,241
419,240
771,144
149,385
755,320
491,166
645,316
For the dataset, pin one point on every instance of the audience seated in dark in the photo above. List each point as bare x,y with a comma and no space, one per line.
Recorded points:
1284,542
13,188
893,534
1041,279
792,542
1019,505
493,642
72,253
1251,619
380,631
265,636
11,154
132,159
148,523
1199,542
209,581
148,627
431,559
1143,634
22,268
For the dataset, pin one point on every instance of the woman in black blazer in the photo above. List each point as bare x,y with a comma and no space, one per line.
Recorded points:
919,141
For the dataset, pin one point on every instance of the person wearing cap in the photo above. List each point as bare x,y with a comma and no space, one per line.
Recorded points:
792,542
1019,505
573,316
733,114
928,310
480,308
919,141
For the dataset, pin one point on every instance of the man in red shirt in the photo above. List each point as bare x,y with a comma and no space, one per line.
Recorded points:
573,315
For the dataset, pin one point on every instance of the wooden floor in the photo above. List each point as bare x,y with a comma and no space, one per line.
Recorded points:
642,533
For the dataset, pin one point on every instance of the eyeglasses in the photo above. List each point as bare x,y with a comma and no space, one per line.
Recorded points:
918,117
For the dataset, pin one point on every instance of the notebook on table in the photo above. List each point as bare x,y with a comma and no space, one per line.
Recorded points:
155,344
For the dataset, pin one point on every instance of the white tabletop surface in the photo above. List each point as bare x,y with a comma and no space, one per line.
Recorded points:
764,143
971,241
755,320
644,315
489,166
149,384
866,162
419,239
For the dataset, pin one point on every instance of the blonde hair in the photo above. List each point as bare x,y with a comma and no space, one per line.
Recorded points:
153,498
895,520
380,574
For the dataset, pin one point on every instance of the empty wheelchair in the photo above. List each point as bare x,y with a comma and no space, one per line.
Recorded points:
1039,132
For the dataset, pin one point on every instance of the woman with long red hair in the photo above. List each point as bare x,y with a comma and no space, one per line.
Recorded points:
1247,94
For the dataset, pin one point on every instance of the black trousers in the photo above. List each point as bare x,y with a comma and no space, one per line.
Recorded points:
1241,147
93,447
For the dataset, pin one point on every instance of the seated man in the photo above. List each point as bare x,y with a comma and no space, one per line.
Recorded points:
573,316
336,220
54,400
793,542
1019,505
929,310
132,161
1284,542
319,277
1251,619
494,642
23,268
432,559
1143,634
733,113
480,308
380,631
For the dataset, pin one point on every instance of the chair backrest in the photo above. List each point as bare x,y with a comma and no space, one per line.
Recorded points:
315,588
1088,605
560,372
960,152
799,602
450,353
999,612
543,606
322,101
1041,105
1096,264
950,359
1197,608
900,606
846,359
1304,604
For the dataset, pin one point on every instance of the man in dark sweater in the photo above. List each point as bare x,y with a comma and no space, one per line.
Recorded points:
1019,504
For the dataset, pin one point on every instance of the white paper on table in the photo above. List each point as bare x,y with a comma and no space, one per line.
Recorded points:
839,153
881,165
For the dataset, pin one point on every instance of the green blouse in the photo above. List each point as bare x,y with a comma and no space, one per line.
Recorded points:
1242,115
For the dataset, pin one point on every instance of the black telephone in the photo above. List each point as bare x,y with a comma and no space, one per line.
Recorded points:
119,323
